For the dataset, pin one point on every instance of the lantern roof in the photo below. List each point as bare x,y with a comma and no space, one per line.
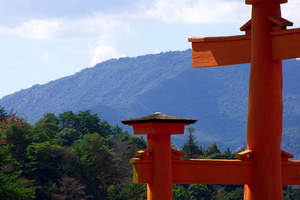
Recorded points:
159,117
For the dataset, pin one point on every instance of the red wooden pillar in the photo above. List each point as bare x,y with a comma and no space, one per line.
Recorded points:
161,187
264,129
158,128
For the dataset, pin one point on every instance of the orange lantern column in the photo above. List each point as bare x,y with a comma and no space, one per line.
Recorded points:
158,127
264,129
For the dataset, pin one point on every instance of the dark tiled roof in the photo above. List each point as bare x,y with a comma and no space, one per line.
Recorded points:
159,118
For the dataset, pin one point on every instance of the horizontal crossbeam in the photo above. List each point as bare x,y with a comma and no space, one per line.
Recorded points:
212,171
291,172
286,44
219,51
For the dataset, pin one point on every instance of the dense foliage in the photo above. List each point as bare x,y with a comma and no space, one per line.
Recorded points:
79,156
69,156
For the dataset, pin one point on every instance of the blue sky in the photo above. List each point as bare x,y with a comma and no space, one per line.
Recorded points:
43,40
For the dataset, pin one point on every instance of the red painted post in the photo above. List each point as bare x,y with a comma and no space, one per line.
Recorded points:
158,128
161,187
264,129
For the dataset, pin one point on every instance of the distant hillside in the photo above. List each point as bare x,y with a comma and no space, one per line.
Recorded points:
124,88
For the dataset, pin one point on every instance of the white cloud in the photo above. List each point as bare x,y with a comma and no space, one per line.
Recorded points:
195,11
102,52
96,26
290,11
93,28
39,29
110,26
206,11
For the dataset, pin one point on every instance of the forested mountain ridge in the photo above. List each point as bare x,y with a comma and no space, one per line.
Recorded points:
124,88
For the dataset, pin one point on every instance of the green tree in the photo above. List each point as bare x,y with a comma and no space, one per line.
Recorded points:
44,161
97,164
213,152
88,122
236,194
67,119
11,186
49,118
291,192
18,135
190,147
3,113
180,193
124,146
45,165
127,190
47,128
70,188
68,136
199,192
84,121
138,142
228,154
105,129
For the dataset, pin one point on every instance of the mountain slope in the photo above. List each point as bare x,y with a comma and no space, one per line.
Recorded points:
131,87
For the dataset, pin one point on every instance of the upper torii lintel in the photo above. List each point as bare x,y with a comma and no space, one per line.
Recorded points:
232,50
219,51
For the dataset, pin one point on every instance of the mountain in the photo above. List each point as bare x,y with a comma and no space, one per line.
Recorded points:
125,88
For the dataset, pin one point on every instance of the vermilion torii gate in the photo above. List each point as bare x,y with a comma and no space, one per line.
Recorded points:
266,42
264,167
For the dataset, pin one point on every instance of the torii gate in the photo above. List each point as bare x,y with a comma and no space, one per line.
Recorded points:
264,167
266,42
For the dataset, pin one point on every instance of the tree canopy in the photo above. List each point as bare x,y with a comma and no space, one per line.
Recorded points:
79,156
69,156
